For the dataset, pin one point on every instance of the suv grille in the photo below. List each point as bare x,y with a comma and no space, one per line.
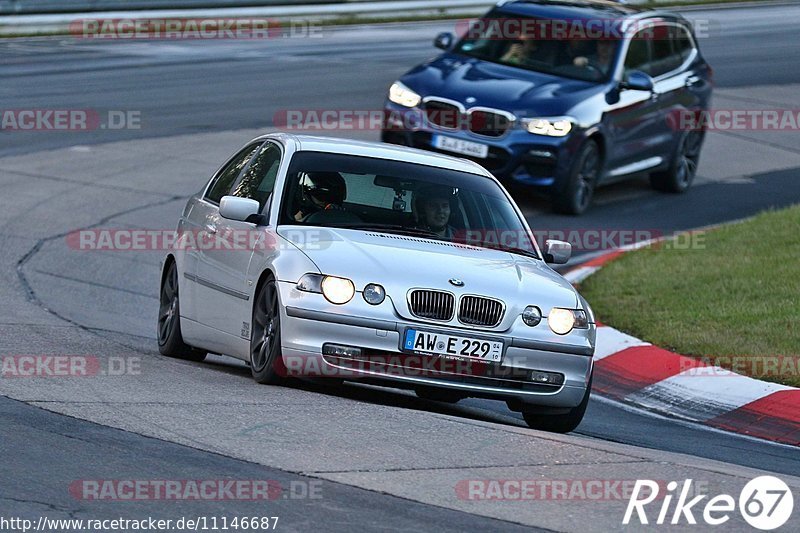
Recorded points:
442,114
488,124
432,305
479,311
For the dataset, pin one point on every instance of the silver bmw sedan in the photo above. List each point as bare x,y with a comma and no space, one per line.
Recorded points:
366,262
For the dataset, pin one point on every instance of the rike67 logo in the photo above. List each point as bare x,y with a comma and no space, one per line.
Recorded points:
765,503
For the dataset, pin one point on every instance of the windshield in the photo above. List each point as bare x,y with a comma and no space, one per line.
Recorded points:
362,193
540,45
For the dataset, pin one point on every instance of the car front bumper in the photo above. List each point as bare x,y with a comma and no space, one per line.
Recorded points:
305,330
516,157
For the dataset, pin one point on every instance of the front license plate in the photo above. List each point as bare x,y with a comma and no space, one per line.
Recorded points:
460,146
427,342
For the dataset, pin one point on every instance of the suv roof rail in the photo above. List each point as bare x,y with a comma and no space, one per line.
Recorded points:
571,2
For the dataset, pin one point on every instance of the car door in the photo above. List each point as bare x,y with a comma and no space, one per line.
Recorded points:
670,80
632,121
679,82
196,233
223,268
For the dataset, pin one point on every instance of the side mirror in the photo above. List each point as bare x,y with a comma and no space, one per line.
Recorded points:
638,81
557,252
241,209
444,41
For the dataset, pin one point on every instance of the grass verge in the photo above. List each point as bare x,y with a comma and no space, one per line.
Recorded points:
733,298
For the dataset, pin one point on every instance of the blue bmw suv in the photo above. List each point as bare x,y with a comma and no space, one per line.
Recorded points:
562,95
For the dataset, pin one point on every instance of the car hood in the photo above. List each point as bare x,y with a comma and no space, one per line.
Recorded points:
400,263
460,78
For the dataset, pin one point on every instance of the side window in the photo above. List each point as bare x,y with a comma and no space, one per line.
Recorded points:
638,56
664,59
224,181
682,44
258,181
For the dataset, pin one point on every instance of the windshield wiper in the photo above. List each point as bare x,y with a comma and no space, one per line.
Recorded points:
391,228
511,249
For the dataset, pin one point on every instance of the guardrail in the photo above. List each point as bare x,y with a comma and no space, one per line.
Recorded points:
32,24
25,22
9,7
19,7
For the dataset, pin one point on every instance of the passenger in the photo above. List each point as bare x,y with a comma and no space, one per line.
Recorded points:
433,208
522,51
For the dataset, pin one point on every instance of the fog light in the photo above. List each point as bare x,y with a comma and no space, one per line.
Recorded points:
374,294
532,315
550,378
340,351
542,154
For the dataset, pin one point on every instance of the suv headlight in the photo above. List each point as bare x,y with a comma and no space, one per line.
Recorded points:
562,321
402,95
552,126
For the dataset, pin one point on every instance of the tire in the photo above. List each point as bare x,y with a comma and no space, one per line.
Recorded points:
559,423
576,196
170,339
437,395
683,167
266,362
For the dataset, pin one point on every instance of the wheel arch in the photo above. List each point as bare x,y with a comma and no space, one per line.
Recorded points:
265,275
599,139
168,260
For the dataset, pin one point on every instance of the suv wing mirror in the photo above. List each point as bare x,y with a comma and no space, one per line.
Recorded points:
638,81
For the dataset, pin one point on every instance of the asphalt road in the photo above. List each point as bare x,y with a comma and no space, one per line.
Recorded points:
190,86
60,302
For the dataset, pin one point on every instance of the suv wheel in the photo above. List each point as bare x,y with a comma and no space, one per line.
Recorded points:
683,167
576,196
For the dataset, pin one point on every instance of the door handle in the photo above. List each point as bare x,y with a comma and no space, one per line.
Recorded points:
211,228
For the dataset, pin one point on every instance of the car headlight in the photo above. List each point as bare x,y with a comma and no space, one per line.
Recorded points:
402,95
552,127
336,290
374,294
562,321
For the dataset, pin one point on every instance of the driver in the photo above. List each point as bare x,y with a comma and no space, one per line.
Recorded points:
320,191
601,59
433,206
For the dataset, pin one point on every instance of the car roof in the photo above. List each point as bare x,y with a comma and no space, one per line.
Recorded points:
578,9
617,12
314,143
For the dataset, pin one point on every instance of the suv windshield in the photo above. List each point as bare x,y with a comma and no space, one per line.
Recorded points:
534,44
363,193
